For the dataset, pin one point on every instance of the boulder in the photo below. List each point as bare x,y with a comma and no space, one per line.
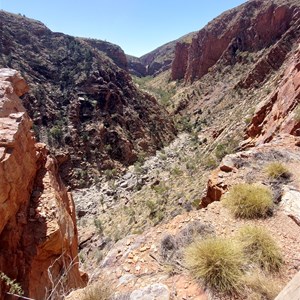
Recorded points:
290,203
151,292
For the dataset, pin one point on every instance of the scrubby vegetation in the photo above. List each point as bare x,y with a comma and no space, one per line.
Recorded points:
259,286
238,264
297,113
276,170
260,248
11,284
248,200
218,262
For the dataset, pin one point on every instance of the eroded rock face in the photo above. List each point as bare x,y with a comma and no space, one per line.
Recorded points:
38,234
136,66
179,63
278,112
251,27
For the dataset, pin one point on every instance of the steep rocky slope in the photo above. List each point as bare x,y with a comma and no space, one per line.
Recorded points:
158,60
276,118
82,100
252,27
232,64
38,233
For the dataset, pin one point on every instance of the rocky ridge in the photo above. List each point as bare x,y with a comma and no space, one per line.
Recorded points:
277,115
38,233
253,26
82,100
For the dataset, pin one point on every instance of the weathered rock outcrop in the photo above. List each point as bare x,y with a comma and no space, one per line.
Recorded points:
251,27
276,118
82,100
179,63
279,112
136,67
38,234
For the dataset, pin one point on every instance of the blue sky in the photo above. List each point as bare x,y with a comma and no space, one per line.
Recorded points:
138,26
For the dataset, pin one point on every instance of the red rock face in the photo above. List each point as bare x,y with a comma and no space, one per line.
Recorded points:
179,63
277,113
251,27
38,234
275,121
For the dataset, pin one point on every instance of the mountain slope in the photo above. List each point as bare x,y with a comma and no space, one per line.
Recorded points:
251,27
158,60
82,100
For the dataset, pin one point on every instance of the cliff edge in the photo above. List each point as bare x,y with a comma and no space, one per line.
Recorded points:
38,234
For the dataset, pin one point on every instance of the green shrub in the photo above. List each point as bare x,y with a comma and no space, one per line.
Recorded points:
209,162
221,150
176,171
248,200
276,170
110,173
260,248
12,285
56,132
98,225
218,262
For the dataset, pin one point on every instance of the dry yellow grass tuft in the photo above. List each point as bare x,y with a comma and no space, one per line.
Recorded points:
218,262
260,248
276,170
248,200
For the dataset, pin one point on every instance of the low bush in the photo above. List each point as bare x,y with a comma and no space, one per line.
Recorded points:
248,200
260,248
276,170
218,262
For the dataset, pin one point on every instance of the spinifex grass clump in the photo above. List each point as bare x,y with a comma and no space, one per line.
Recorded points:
260,248
248,200
276,170
98,291
258,285
216,261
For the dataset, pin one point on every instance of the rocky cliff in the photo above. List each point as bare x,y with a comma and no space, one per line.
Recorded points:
254,26
280,112
274,129
158,60
82,100
38,234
